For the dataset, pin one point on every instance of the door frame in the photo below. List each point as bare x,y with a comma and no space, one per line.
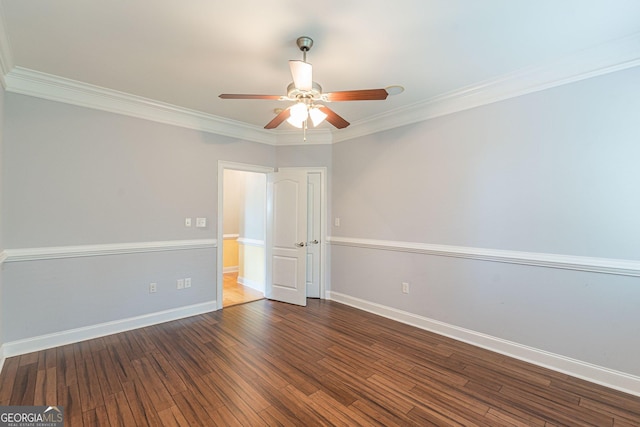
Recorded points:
222,166
324,210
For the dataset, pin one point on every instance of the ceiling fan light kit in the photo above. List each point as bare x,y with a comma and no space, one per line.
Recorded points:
308,97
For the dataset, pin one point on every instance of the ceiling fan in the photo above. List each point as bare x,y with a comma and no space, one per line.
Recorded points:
307,95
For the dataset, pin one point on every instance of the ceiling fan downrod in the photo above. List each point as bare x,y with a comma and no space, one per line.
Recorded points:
304,44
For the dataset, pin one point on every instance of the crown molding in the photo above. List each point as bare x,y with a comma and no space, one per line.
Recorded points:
42,85
601,59
615,55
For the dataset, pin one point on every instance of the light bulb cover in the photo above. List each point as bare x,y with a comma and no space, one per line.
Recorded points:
299,112
317,116
295,123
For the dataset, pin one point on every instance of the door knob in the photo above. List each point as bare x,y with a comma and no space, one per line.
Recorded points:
313,242
300,245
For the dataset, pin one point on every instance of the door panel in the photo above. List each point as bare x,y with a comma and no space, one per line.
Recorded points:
287,237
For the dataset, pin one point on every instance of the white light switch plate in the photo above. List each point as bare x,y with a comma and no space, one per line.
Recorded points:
201,222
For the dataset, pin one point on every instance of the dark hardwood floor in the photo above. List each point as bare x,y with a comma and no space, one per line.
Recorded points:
268,363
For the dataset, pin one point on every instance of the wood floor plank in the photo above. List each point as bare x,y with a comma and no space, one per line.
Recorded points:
45,392
341,414
118,410
192,409
142,409
223,417
166,372
97,417
68,396
7,379
268,363
88,383
233,402
172,417
153,385
47,359
25,384
107,372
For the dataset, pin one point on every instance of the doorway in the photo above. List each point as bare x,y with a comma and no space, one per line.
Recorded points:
241,188
243,252
241,228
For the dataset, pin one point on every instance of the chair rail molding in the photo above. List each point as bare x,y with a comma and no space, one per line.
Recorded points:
35,254
621,267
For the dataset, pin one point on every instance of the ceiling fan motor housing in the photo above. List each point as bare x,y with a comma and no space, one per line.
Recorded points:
293,93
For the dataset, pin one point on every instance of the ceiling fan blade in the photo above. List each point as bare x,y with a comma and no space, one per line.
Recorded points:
358,95
244,96
302,74
333,117
277,120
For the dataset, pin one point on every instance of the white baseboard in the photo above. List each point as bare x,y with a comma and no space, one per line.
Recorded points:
253,284
597,374
232,269
71,336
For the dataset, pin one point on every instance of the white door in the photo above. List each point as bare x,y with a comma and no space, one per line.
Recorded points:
313,234
287,237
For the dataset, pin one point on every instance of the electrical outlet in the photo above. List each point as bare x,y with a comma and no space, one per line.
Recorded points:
336,222
405,287
180,284
153,287
187,282
201,222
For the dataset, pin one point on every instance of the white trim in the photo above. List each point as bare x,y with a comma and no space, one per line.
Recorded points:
36,254
231,269
253,284
3,256
35,83
71,336
597,374
230,236
250,242
621,267
601,59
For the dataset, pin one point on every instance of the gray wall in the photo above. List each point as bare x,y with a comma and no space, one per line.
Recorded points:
233,201
244,204
77,176
84,176
550,172
2,95
311,155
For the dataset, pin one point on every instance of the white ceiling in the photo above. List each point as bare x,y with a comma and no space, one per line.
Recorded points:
186,53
